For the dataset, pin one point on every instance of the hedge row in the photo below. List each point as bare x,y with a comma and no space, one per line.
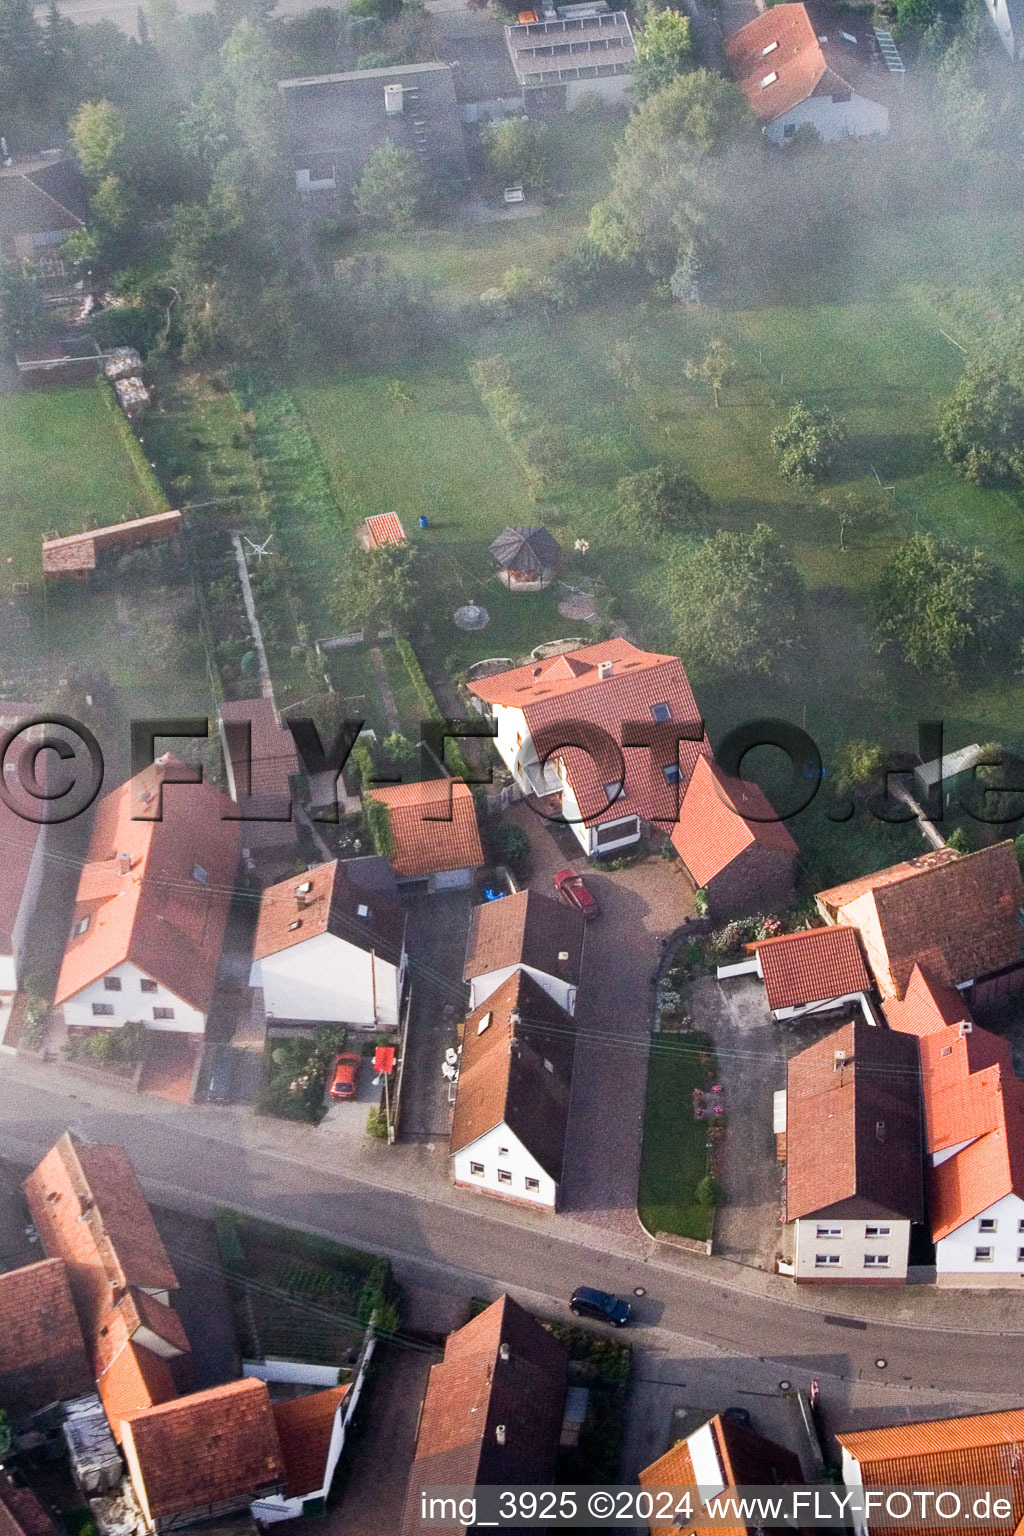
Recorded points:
453,753
133,448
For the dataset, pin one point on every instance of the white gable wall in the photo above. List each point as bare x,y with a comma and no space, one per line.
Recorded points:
955,1254
832,119
999,16
500,1151
130,1004
328,980
481,987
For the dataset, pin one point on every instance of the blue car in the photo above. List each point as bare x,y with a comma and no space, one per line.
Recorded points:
600,1305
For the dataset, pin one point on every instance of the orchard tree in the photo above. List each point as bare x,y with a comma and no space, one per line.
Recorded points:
808,444
716,367
657,500
736,601
380,588
858,764
981,429
664,50
391,187
518,150
938,605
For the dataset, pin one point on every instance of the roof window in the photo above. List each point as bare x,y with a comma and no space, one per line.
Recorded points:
661,712
769,79
297,924
81,925
200,874
770,49
613,790
362,910
304,889
485,1023
848,37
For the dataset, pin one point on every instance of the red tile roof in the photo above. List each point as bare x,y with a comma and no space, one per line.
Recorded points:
503,1079
778,62
991,1167
840,895
42,1356
433,827
984,1450
927,1007
21,1513
134,1379
960,919
746,1459
853,1136
812,967
528,928
91,1213
140,893
568,691
325,900
719,818
305,1426
491,1414
210,1447
384,528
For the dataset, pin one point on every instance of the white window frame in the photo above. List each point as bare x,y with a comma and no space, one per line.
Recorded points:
876,1261
877,1231
477,1170
984,1255
826,1260
988,1224
504,1176
533,1185
828,1231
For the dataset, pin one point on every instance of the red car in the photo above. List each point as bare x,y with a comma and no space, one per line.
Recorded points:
574,892
346,1070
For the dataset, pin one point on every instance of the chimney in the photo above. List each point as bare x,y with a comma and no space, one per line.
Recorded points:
499,1433
394,106
964,1028
504,1351
838,1060
302,893
124,863
880,1130
515,1019
604,670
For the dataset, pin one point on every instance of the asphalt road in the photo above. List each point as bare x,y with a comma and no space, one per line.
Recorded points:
474,1253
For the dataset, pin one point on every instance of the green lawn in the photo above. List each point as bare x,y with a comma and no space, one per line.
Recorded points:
675,1155
65,469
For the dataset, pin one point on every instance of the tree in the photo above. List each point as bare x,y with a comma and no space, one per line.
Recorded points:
997,795
380,588
98,130
981,429
938,605
735,600
667,175
855,512
391,187
21,61
663,50
21,307
716,367
858,764
807,445
518,150
656,500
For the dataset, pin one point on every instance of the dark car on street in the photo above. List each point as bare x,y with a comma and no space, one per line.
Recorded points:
602,1306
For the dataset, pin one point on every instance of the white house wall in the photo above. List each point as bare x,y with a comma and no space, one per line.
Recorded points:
853,1245
329,981
833,120
954,1255
8,974
481,987
131,1005
501,1150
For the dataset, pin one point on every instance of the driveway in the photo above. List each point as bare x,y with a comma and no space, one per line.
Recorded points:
436,939
373,1495
639,908
752,1054
346,1118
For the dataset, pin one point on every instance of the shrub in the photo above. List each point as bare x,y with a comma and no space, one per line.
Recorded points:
656,500
708,1191
511,846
